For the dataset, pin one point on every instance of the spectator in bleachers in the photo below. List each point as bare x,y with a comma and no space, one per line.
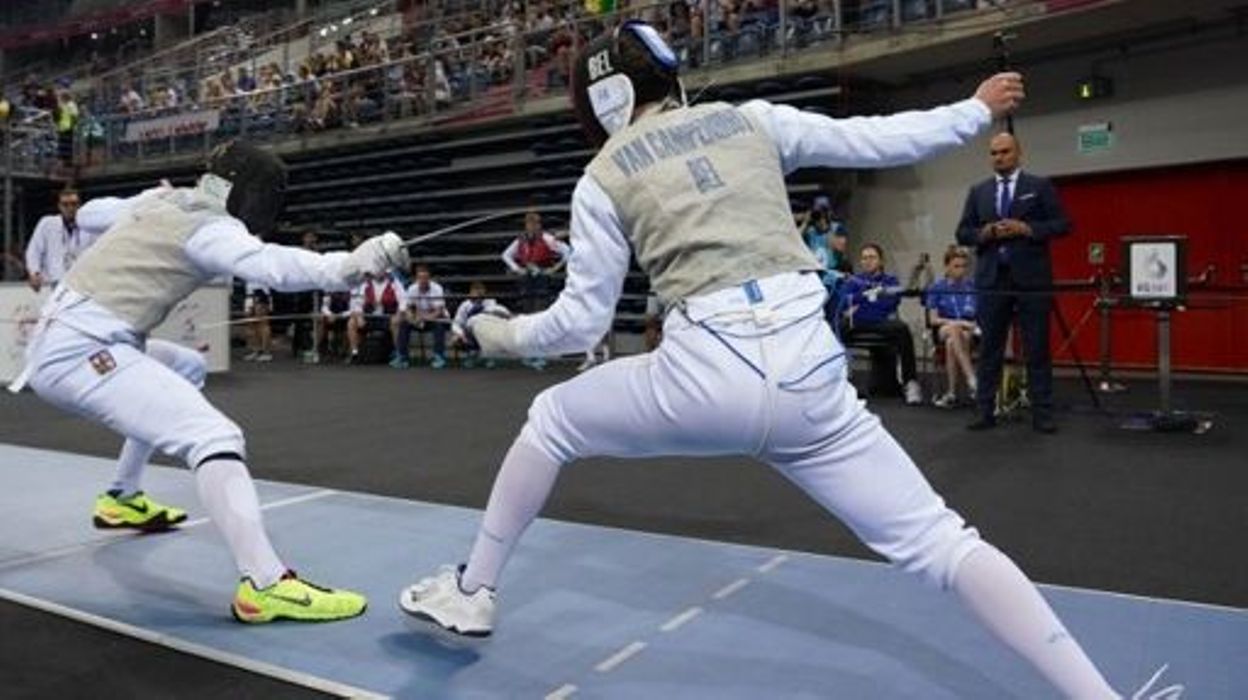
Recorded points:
245,82
826,239
951,305
839,243
324,112
215,93
304,306
335,315
131,101
345,55
915,10
66,119
476,303
874,14
819,230
374,306
157,99
535,255
352,104
873,301
257,307
173,97
425,310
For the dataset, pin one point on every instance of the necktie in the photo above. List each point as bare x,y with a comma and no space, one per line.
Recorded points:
1004,199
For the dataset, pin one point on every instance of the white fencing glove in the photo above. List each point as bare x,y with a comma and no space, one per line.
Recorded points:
375,255
496,336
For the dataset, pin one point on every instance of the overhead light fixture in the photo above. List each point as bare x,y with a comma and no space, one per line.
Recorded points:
346,21
372,12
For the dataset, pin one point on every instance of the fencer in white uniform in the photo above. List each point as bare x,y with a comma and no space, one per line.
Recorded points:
748,364
91,354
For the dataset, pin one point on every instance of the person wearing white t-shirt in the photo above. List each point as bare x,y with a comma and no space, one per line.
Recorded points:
425,310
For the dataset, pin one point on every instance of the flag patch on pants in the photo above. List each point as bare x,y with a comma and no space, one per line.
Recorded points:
103,362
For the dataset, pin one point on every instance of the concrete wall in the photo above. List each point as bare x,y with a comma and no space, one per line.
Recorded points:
1174,106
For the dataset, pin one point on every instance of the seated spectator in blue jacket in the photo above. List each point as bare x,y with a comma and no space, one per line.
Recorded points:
872,300
951,312
424,310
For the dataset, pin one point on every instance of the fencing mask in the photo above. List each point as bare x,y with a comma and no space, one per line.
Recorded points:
257,184
618,71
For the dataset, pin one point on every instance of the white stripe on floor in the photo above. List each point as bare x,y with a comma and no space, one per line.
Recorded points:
280,503
772,563
123,536
620,657
563,692
731,588
673,624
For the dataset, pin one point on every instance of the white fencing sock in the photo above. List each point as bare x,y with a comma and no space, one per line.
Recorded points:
134,456
229,496
520,490
1010,606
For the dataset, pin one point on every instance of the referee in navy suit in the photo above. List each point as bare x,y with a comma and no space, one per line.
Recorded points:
1009,219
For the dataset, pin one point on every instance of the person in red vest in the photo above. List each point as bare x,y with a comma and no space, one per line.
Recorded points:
374,304
535,255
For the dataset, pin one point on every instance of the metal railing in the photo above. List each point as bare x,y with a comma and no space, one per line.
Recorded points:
489,71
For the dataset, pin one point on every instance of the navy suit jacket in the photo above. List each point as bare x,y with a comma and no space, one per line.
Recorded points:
1035,203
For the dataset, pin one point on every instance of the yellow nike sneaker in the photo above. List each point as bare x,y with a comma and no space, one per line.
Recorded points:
136,512
292,598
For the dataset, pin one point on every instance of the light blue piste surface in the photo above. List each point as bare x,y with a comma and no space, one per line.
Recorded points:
585,611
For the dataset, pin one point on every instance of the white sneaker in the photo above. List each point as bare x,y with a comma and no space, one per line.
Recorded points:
264,357
251,356
914,393
946,400
440,600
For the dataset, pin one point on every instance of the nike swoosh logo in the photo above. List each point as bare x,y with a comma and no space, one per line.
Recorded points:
304,602
135,507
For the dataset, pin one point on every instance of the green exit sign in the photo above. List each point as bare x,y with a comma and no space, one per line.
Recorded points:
1094,138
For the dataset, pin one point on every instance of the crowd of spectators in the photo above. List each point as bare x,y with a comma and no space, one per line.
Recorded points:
356,77
378,319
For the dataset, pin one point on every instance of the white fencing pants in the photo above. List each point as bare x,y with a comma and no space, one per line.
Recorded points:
768,379
141,396
772,385
151,399
135,453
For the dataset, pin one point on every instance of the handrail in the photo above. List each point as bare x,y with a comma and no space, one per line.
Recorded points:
441,83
